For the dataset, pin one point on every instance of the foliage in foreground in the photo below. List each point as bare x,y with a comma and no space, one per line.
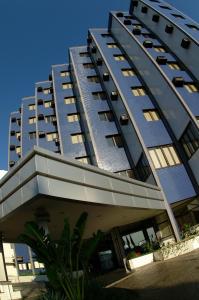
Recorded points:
63,258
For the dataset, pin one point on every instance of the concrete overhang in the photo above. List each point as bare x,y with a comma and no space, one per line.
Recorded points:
65,188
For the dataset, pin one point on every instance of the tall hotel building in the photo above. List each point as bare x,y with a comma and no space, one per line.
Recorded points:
128,103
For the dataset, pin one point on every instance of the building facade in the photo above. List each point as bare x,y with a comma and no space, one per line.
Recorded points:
127,102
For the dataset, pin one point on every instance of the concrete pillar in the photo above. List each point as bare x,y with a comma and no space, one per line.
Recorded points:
3,272
118,246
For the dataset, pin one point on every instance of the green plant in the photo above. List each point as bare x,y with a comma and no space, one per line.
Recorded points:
51,295
64,258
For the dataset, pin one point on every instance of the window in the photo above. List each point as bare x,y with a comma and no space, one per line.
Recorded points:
178,16
88,66
48,104
112,45
18,135
84,54
137,26
159,49
94,79
190,140
114,140
165,7
67,85
83,159
143,167
197,118
164,156
194,27
106,116
13,120
173,65
77,138
31,106
138,91
18,150
64,73
151,115
119,57
191,87
47,91
50,119
99,95
128,72
129,173
32,120
105,35
69,100
18,122
73,118
50,136
32,135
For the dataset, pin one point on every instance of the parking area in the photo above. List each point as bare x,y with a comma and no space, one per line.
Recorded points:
177,278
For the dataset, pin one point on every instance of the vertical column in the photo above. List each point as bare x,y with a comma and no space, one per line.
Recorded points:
118,246
3,272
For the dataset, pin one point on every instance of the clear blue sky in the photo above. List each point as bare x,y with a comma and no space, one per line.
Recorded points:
36,34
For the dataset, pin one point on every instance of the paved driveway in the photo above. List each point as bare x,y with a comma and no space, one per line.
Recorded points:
177,278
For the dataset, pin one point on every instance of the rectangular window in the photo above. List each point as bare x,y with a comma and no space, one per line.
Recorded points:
84,54
197,118
115,140
138,91
99,95
194,27
50,119
190,140
112,45
18,135
48,104
164,156
88,66
64,73
159,49
31,106
128,72
18,122
83,159
143,168
32,120
77,138
106,116
165,7
105,35
47,91
119,57
18,150
51,136
69,100
191,87
94,79
67,85
137,26
73,117
151,115
178,16
32,135
173,66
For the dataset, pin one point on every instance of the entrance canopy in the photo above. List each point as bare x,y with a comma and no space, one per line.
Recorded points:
47,182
